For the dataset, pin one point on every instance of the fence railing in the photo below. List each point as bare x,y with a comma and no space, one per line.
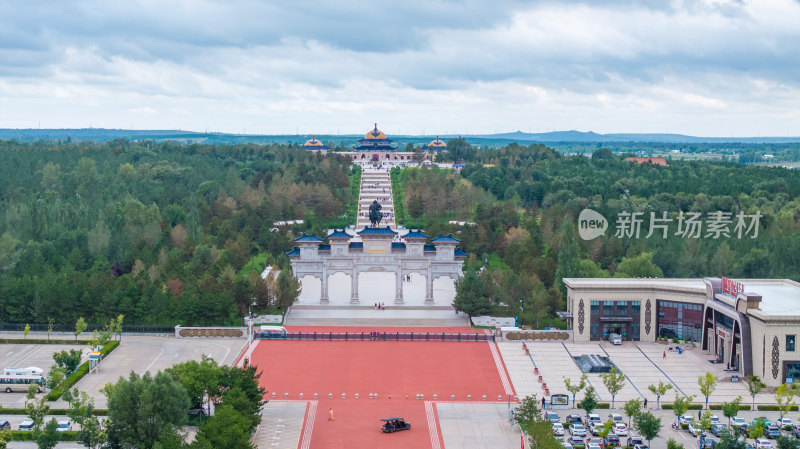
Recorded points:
377,336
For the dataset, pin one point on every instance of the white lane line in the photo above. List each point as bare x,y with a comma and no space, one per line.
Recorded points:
433,429
312,413
154,360
500,370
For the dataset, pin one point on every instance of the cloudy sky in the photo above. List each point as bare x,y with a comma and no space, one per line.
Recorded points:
704,67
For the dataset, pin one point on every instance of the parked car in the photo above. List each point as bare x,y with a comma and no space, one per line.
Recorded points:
640,446
595,429
596,440
64,426
611,440
634,440
593,446
714,419
695,431
764,421
576,441
737,421
574,418
784,422
594,418
558,429
615,417
686,419
566,445
552,417
621,429
577,430
772,432
744,430
763,443
718,429
709,443
26,425
796,432
5,425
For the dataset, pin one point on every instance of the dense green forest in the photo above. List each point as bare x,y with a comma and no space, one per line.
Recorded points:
156,231
163,232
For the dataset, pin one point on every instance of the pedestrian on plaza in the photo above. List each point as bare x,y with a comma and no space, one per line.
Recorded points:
665,355
330,415
699,414
645,403
544,404
375,306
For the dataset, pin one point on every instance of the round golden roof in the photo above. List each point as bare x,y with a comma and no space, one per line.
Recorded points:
313,142
375,134
437,143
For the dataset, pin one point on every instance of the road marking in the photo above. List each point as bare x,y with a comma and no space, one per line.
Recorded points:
155,359
312,413
433,430
500,369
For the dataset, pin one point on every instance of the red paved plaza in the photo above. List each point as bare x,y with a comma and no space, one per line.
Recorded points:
390,368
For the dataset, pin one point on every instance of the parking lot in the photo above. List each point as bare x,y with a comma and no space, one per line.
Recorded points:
22,356
139,354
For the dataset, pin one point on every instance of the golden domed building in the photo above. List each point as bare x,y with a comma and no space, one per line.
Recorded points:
376,140
314,144
437,145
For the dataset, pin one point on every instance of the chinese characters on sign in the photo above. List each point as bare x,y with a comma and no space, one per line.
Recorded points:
731,287
690,225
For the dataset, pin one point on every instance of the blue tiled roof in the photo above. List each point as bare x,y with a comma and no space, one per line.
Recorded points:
429,248
415,234
324,247
377,231
398,245
459,253
445,239
294,252
339,234
308,238
356,245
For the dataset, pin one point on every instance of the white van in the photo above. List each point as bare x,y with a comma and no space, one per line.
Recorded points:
615,339
29,371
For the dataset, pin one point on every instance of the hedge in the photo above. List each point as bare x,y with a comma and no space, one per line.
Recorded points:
27,435
78,375
691,406
600,405
52,411
773,408
719,407
41,341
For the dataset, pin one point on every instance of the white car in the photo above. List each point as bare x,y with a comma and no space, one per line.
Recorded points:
783,422
558,429
577,430
594,418
566,445
695,431
714,420
737,421
621,429
64,426
593,446
763,443
686,419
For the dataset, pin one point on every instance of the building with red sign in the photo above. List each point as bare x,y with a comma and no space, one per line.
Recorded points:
749,325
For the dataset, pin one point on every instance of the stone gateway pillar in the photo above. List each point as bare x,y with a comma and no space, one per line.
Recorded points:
354,286
398,281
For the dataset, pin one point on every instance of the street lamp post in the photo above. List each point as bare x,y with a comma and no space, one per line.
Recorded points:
249,323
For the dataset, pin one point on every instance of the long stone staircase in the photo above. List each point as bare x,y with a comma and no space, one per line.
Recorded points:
375,185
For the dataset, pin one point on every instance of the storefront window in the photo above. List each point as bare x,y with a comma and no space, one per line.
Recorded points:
790,343
622,307
635,308
595,307
608,308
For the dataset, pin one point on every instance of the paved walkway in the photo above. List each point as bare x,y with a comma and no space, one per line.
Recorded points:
476,426
281,424
375,185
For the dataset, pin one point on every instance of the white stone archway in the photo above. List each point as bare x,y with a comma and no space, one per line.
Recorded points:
339,288
376,286
310,291
444,290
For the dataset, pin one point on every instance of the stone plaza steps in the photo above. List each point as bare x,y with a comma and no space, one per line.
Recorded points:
357,315
375,184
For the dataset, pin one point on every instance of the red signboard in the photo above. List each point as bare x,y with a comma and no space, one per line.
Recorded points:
731,287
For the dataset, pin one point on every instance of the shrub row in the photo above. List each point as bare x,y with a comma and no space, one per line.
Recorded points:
600,405
52,411
719,407
27,435
41,341
691,406
773,408
78,375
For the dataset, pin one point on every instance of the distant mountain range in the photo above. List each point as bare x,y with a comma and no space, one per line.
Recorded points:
102,135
